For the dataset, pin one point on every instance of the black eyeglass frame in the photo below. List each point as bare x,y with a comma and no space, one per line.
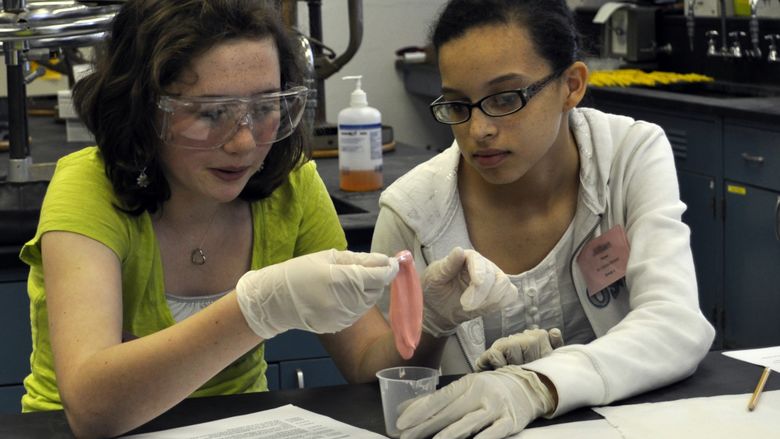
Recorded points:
525,93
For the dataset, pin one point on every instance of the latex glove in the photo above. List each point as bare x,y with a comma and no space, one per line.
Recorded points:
322,292
502,402
460,287
517,349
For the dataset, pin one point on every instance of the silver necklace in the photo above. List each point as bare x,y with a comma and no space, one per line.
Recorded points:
197,255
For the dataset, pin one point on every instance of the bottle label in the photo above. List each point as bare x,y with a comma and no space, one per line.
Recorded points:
360,147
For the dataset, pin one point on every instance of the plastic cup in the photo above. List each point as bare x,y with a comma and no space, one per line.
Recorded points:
398,384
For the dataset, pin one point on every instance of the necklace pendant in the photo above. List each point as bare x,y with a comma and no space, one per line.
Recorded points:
198,257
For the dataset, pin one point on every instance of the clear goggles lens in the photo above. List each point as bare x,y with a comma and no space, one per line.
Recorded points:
210,122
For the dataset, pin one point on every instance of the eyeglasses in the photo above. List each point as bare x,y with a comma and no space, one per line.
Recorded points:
495,105
210,122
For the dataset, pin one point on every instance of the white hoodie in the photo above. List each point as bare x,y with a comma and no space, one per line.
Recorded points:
650,331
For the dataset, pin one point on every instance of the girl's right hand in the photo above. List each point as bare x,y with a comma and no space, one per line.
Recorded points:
322,292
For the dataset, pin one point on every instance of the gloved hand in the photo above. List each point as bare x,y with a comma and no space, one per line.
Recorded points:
517,349
460,287
502,402
322,292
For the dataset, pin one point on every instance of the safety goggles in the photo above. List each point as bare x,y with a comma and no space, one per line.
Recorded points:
495,105
210,122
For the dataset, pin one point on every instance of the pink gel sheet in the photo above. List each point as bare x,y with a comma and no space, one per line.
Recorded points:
406,306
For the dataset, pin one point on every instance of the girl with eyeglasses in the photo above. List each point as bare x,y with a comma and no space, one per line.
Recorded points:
543,223
194,230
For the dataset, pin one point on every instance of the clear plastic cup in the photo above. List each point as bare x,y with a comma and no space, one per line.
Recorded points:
397,384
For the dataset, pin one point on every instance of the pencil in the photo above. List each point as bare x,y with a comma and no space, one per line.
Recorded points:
759,387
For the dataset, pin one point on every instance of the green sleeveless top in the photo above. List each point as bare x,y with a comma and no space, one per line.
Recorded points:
298,218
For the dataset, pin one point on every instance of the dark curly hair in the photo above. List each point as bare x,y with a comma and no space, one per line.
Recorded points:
549,22
151,43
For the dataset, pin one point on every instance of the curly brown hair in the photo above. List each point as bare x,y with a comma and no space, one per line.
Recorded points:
151,43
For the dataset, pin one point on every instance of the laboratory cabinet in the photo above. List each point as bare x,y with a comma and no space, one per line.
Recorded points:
16,344
752,235
696,144
729,175
296,359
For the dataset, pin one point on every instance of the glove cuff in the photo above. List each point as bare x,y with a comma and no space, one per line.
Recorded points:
536,391
254,314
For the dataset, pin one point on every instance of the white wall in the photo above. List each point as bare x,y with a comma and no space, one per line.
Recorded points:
387,26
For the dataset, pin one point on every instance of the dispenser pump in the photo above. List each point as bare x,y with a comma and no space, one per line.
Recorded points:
360,143
358,97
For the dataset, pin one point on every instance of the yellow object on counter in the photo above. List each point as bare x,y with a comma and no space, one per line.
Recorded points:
634,77
742,8
49,74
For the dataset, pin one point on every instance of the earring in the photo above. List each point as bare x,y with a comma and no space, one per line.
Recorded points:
260,169
143,180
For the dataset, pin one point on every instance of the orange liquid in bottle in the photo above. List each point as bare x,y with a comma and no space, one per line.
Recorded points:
360,181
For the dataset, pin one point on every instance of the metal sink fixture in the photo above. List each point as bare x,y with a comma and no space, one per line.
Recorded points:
718,89
27,27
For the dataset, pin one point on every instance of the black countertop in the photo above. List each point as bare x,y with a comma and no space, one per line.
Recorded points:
754,109
357,210
424,80
360,404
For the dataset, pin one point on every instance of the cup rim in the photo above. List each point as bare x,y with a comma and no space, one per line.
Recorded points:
435,374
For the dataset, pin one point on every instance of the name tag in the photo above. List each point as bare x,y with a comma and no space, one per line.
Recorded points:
604,259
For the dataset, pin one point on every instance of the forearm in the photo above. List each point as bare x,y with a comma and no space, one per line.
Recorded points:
368,346
382,354
123,386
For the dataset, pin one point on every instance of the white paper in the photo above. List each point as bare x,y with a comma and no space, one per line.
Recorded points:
766,357
717,417
599,429
289,421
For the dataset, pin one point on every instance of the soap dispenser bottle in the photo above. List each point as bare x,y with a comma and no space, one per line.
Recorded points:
360,143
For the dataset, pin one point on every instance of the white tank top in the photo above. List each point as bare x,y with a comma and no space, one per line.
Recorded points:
548,300
184,306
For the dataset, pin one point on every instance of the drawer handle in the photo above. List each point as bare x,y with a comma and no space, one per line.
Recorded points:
299,374
753,158
777,218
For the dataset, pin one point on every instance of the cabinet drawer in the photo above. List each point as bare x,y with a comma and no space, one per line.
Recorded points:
752,156
272,376
293,345
11,399
315,372
696,142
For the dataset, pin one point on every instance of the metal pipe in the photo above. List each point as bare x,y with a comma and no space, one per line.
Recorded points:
754,35
65,41
26,31
19,149
690,23
315,31
14,5
40,24
355,11
724,42
17,105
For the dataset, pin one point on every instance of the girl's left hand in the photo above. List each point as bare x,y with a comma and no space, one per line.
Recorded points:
496,404
518,349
